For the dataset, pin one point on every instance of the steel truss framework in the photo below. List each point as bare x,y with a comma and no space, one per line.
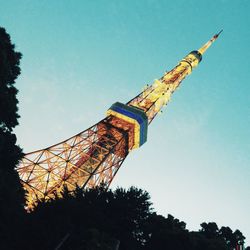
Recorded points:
85,160
95,155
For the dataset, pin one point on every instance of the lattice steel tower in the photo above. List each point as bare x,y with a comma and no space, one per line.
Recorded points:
96,154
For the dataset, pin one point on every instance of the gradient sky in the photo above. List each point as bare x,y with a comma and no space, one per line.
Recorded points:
79,57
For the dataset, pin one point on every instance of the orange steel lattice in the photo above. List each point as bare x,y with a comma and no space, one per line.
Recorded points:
95,155
85,160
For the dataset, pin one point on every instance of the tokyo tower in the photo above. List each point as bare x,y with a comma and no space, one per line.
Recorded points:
95,155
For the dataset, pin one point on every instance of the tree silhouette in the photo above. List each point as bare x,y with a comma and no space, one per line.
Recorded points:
11,192
92,218
166,233
231,238
238,237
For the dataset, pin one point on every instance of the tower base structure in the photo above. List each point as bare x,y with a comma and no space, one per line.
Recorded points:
85,160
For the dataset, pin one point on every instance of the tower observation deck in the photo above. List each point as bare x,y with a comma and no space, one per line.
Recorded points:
95,155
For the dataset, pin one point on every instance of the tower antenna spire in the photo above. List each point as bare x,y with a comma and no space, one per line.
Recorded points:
203,49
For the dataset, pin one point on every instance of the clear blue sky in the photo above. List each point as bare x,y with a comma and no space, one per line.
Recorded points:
79,57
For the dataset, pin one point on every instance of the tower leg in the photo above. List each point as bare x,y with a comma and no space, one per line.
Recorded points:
85,160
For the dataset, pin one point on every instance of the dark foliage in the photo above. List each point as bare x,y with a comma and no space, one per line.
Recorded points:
94,216
101,219
9,71
11,192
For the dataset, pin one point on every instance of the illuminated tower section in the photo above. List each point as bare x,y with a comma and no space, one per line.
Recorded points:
95,155
154,97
